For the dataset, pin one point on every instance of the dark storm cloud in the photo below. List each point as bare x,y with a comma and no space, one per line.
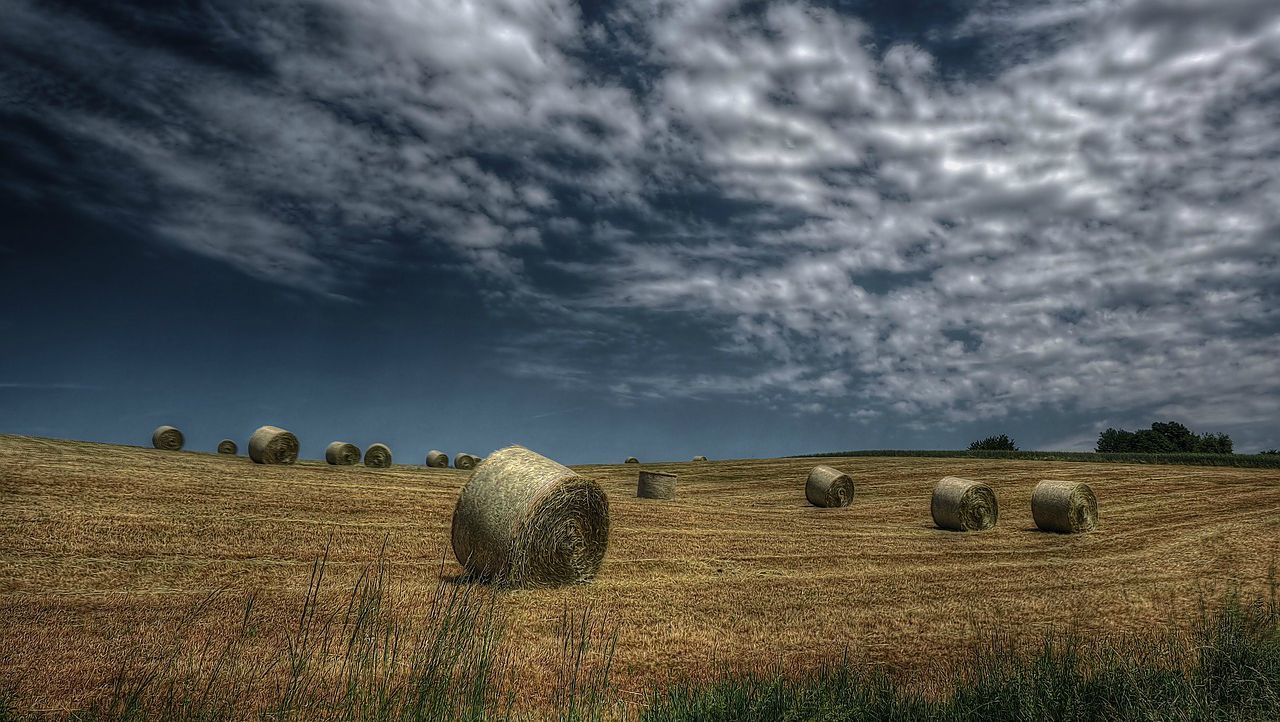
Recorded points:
1066,207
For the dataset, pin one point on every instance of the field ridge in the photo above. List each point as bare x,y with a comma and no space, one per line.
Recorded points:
1244,461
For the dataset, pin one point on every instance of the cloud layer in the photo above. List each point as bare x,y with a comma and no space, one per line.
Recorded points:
786,205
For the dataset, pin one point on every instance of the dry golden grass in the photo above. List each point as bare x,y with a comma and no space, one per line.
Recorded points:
102,547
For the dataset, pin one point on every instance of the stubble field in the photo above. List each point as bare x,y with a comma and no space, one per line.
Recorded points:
104,549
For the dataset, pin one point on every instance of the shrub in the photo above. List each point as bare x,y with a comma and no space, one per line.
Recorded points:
1215,444
1164,437
994,443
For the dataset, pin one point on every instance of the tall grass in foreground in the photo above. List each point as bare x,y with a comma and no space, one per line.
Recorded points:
346,659
1253,461
358,658
1227,667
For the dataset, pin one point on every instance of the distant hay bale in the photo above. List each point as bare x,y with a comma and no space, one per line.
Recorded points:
631,460
340,453
656,485
828,487
273,445
227,446
699,458
377,456
437,459
523,520
167,438
465,461
964,505
1067,507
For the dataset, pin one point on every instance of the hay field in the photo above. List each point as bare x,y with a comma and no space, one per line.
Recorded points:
105,547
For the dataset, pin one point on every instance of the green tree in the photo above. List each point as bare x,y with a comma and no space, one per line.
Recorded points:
1152,442
994,443
1114,441
1164,437
1182,438
1215,444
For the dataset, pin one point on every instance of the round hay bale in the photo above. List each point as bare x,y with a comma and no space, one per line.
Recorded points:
465,461
167,438
699,458
377,456
437,459
964,505
227,446
340,453
828,487
631,460
523,520
1067,507
656,485
273,445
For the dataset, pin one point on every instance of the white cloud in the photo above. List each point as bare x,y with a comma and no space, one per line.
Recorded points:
1097,220
1091,228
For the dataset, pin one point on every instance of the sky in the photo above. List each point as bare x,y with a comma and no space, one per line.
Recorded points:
640,228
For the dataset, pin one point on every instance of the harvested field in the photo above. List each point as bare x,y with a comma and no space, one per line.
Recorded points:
102,547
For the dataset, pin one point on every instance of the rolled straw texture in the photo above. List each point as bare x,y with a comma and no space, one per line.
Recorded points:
377,456
828,487
167,438
437,459
227,446
699,458
273,445
656,485
465,461
631,460
523,520
964,505
1067,507
340,453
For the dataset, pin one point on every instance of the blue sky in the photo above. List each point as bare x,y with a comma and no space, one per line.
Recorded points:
660,229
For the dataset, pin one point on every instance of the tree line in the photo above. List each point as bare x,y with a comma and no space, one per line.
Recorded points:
1164,437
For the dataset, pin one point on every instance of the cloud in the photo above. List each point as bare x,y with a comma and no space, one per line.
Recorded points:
782,205
356,123
1094,221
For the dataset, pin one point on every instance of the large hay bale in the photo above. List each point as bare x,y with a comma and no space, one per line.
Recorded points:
699,458
227,446
437,459
1068,507
465,461
378,456
964,505
340,453
828,487
273,445
656,485
631,460
523,520
167,438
